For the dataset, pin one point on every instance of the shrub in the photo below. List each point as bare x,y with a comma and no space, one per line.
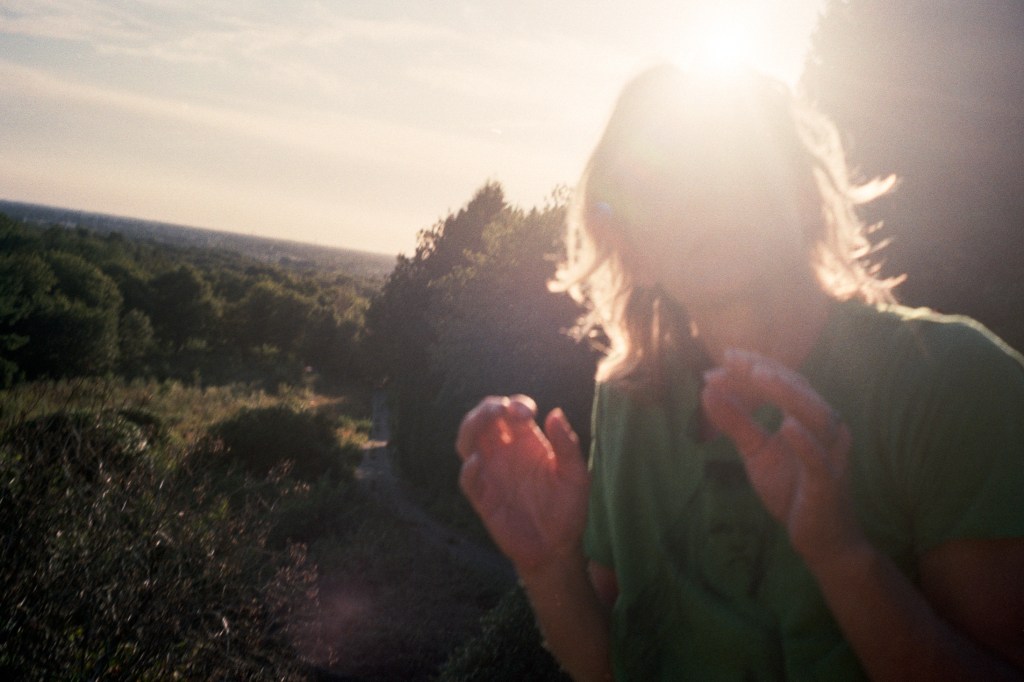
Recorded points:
507,648
261,440
308,513
129,571
89,443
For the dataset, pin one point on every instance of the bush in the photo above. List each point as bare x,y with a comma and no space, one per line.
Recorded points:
116,568
308,513
507,648
88,443
265,439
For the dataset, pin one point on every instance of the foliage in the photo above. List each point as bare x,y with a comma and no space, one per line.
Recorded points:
182,306
58,315
137,337
101,442
24,283
932,91
468,315
507,648
315,514
74,303
267,439
118,568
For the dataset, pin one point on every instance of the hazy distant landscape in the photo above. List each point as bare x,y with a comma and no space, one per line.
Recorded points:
294,254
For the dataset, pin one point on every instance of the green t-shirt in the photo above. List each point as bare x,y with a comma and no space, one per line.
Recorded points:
710,588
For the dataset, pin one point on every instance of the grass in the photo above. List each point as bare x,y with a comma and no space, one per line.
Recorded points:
366,594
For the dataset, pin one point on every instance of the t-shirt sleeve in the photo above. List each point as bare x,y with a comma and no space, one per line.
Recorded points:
964,431
597,535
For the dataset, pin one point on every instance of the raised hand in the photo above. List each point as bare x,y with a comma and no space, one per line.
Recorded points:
529,487
799,471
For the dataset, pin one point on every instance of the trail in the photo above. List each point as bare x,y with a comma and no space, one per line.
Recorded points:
377,475
408,590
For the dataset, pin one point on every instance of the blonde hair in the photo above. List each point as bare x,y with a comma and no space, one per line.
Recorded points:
675,137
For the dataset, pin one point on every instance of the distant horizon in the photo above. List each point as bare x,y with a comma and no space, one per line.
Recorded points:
165,223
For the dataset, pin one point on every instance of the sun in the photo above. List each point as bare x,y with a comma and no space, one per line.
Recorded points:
719,45
725,48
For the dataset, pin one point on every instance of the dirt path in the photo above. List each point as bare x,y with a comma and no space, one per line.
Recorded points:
377,475
410,588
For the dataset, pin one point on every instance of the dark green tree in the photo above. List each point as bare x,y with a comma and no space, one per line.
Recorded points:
135,336
470,315
68,328
272,315
184,307
500,330
25,283
80,280
401,329
932,91
330,345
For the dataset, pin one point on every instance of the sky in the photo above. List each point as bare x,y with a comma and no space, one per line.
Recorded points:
351,123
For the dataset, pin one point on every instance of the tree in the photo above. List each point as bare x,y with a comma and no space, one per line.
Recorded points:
469,315
136,336
66,321
25,282
68,338
183,306
400,331
80,280
272,315
932,92
500,330
330,344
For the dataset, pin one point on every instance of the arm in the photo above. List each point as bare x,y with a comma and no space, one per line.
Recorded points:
951,628
530,489
572,617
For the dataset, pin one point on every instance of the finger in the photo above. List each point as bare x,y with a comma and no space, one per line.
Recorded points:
770,381
478,487
471,478
727,414
564,441
808,449
833,457
521,406
520,412
477,421
737,385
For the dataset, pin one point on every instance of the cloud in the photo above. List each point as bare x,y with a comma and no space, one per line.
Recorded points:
358,139
74,20
207,32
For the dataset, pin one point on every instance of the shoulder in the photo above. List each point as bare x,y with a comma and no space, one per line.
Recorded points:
954,353
954,408
918,346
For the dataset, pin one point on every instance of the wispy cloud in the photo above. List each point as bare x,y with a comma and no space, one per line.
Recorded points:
359,139
206,32
78,20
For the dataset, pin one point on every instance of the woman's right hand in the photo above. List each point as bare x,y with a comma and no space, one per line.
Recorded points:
529,487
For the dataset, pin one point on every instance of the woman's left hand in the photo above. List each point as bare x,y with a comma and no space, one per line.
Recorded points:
799,471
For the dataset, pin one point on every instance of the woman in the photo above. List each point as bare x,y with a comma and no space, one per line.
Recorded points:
790,476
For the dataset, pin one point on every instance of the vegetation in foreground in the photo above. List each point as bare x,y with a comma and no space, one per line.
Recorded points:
138,546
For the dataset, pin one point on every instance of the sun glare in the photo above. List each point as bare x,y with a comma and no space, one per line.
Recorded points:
721,44
725,48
